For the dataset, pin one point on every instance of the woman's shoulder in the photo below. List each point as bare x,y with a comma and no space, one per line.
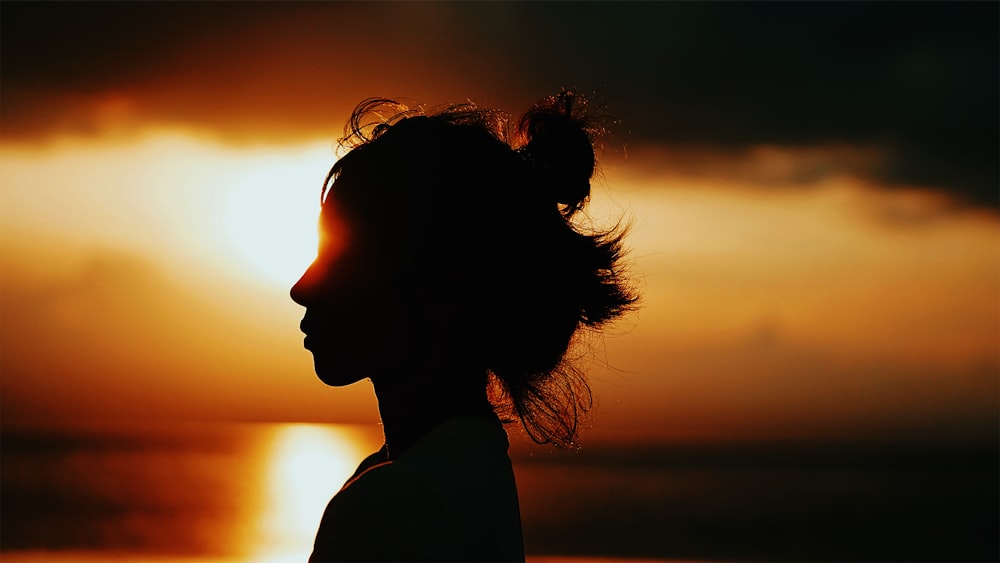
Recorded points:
381,514
429,478
382,478
445,499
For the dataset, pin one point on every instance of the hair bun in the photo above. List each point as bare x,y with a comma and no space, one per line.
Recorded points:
560,148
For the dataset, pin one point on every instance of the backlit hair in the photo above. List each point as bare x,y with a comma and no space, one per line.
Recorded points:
464,188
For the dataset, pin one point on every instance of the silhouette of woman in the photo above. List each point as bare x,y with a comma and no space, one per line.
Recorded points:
451,273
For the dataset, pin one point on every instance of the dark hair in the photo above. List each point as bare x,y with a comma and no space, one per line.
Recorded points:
462,177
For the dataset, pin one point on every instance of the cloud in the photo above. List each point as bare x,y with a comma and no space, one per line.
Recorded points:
109,335
915,81
766,166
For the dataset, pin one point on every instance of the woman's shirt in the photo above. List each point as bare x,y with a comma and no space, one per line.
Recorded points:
449,497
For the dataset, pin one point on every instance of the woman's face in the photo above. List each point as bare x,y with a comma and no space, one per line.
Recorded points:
355,322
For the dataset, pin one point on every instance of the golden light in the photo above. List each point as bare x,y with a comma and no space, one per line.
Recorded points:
270,213
186,201
309,463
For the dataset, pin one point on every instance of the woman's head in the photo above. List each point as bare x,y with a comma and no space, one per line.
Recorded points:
445,241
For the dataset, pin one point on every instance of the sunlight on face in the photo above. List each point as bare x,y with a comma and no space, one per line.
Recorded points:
309,463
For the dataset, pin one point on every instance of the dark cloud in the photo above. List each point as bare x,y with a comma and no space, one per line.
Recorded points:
916,81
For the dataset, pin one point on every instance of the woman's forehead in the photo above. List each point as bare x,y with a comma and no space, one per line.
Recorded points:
349,210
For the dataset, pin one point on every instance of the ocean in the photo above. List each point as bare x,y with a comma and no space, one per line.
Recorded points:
251,493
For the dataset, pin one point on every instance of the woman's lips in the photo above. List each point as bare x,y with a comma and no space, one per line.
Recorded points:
312,338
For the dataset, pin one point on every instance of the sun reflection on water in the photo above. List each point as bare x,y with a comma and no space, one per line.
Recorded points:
308,464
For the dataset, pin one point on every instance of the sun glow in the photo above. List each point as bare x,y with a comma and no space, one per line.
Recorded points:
271,211
249,212
309,463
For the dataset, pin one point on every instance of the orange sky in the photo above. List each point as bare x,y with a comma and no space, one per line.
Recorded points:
151,224
138,282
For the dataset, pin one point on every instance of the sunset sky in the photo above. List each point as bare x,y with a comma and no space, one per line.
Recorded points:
813,190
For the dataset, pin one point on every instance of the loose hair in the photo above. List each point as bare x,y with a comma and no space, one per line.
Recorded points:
460,178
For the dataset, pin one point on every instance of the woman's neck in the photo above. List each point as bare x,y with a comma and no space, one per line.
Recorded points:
412,404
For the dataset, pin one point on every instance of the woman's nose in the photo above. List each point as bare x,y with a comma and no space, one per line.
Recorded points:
301,292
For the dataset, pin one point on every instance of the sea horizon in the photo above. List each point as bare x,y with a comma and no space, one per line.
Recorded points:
253,492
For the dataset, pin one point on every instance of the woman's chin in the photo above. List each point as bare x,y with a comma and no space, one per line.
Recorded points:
337,376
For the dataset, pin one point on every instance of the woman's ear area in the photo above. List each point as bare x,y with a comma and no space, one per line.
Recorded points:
449,317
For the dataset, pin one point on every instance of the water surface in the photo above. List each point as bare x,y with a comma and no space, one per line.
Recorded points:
255,492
